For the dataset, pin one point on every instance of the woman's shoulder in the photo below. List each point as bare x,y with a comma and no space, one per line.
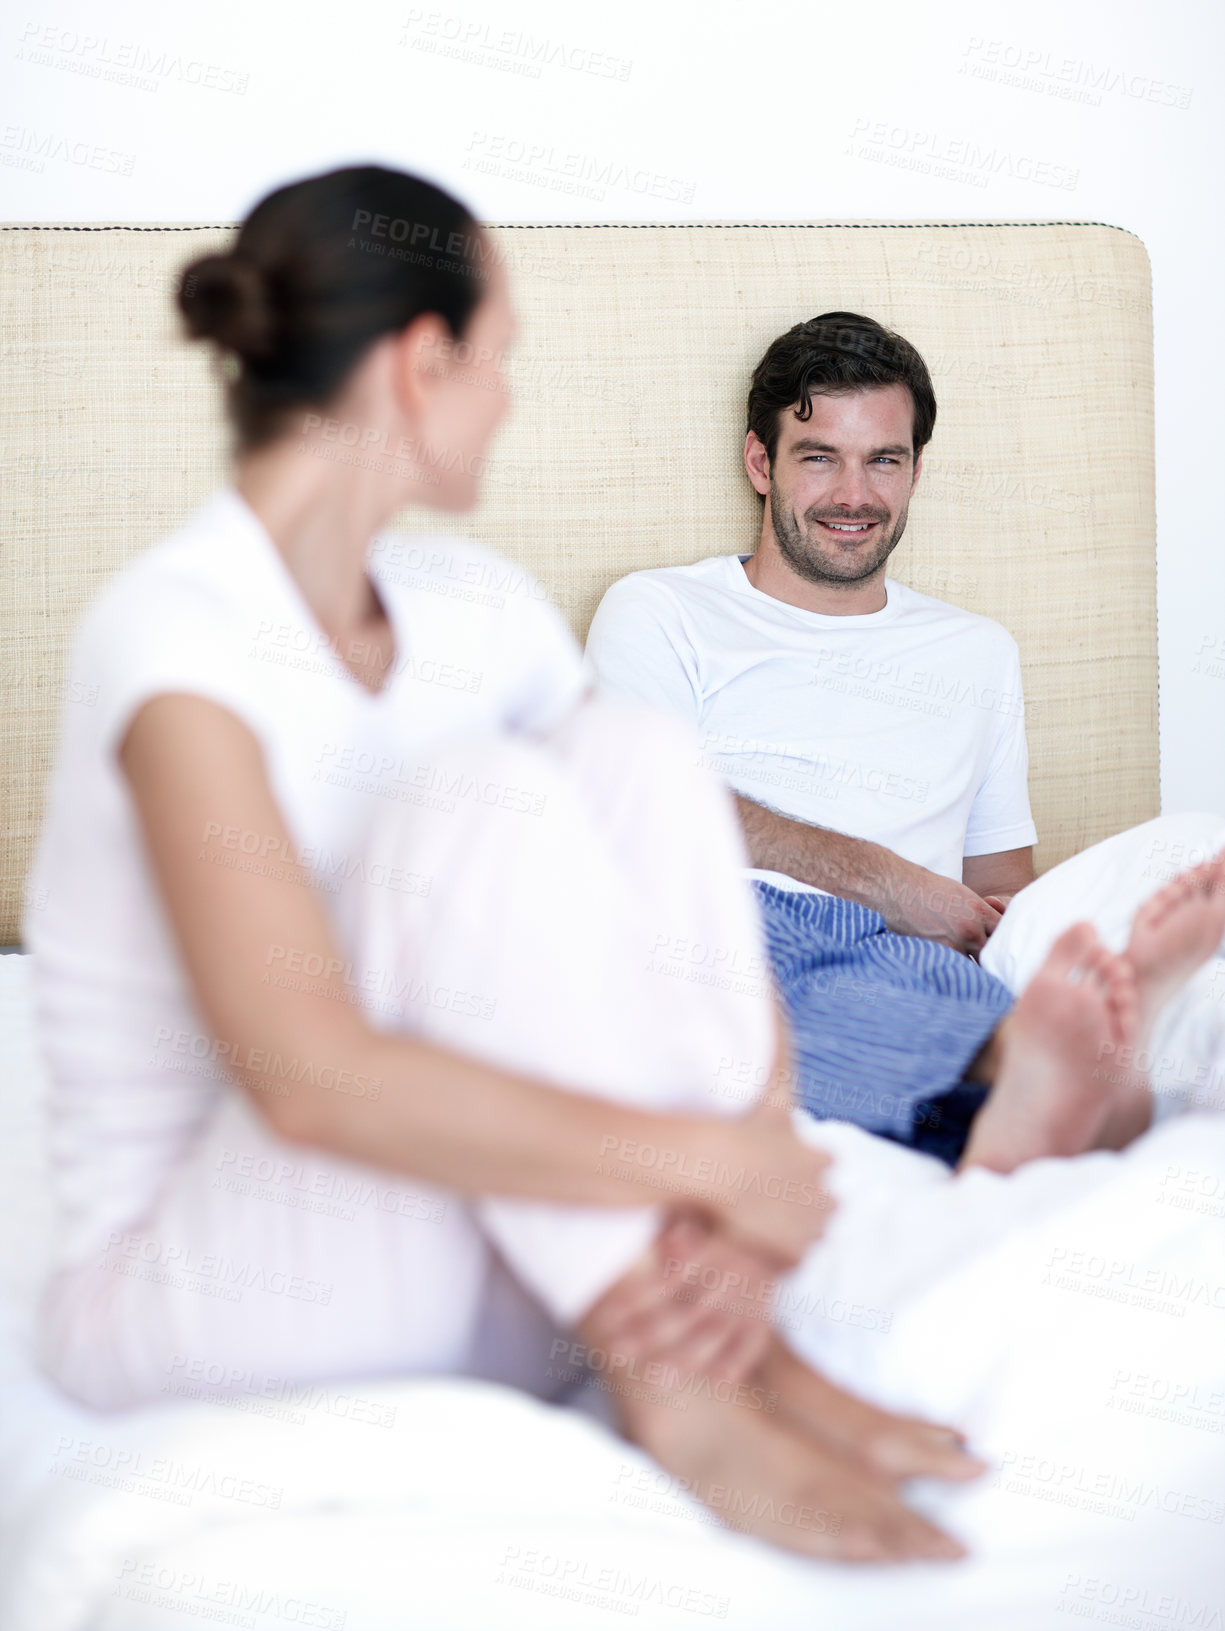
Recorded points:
452,567
206,611
195,582
489,614
184,615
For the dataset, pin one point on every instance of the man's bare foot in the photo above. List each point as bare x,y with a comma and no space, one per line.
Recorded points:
1052,1093
892,1447
1174,932
766,1477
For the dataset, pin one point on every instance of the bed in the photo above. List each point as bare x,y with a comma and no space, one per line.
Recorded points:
455,1504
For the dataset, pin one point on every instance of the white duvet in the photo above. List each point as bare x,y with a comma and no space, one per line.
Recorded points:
1073,1324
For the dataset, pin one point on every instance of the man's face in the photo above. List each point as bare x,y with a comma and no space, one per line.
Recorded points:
840,483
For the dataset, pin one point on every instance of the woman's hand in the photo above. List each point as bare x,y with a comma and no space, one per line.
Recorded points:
695,1305
768,1194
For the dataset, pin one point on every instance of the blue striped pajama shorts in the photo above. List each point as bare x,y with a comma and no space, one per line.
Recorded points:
884,1025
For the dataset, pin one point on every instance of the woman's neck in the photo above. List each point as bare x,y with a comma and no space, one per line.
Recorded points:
321,517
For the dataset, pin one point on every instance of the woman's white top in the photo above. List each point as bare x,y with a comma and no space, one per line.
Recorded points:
213,611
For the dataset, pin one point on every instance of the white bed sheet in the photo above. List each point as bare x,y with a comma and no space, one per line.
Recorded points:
475,1508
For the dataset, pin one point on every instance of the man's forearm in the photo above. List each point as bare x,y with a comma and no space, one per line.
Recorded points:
911,899
851,867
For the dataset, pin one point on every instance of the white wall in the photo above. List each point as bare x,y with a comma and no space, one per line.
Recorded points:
770,110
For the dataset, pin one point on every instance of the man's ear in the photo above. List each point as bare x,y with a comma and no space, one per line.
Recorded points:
757,462
918,467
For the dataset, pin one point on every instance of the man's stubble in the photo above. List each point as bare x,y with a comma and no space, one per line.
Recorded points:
808,560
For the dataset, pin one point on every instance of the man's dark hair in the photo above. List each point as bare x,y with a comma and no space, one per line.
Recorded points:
828,355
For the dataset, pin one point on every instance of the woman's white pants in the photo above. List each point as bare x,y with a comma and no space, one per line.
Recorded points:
575,912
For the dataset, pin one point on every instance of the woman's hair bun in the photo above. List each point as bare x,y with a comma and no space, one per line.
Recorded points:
225,298
302,293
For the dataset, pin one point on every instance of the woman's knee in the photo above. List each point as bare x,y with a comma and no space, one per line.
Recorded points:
464,797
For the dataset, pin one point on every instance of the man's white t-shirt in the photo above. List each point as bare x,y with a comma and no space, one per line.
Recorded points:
904,726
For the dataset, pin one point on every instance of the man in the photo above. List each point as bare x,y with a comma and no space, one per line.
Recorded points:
874,738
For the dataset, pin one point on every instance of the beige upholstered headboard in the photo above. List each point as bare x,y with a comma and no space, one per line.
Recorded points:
624,450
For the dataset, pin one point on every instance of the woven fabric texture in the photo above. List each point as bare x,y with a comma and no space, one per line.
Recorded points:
623,451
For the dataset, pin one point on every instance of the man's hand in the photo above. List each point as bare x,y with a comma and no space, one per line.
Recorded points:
999,877
916,901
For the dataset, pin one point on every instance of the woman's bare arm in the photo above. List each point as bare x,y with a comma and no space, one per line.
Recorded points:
201,789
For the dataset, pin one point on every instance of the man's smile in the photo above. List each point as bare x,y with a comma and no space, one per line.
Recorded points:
848,529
